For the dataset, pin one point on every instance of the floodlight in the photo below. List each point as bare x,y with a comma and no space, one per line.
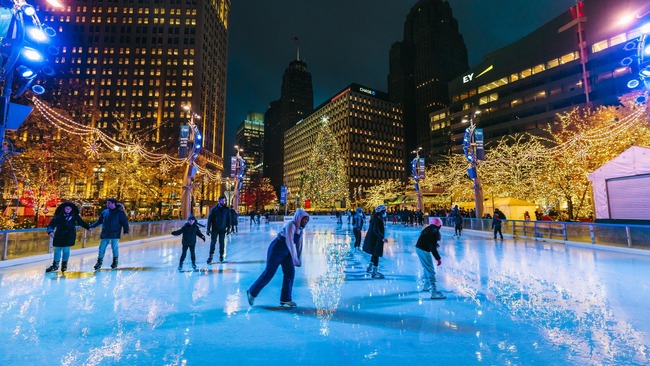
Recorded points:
633,83
645,72
37,34
32,55
28,10
25,72
38,89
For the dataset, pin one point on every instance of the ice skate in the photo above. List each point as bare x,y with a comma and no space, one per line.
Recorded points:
437,295
290,304
180,267
194,267
376,274
369,269
209,261
251,298
98,265
64,266
114,264
53,268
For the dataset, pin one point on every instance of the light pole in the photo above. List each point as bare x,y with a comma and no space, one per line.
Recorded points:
240,170
417,169
195,142
473,148
24,54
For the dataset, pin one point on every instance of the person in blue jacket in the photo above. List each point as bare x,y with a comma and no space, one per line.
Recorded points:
113,220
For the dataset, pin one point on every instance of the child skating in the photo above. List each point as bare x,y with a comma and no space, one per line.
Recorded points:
189,231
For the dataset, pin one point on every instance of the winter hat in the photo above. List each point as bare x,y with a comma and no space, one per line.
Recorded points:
435,221
191,217
380,208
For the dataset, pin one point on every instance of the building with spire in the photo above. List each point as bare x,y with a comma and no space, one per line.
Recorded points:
421,66
295,103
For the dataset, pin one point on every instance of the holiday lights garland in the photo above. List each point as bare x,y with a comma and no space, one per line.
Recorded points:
93,147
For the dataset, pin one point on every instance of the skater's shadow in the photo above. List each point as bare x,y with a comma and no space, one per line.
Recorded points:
72,275
220,270
242,262
129,269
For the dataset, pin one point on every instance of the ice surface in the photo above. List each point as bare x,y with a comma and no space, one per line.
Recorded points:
508,303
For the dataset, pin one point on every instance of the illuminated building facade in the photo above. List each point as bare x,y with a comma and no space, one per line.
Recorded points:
250,138
135,65
521,87
368,129
421,66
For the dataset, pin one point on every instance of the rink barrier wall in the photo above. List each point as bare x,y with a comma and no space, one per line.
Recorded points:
611,235
33,243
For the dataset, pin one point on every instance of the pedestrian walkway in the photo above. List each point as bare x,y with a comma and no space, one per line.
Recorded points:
508,303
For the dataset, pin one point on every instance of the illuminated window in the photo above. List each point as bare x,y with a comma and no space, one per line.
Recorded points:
526,73
538,68
618,39
553,63
569,57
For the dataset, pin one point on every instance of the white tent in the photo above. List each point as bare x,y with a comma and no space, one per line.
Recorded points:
622,186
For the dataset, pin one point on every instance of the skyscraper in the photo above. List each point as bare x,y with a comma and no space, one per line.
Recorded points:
135,65
432,54
296,102
250,136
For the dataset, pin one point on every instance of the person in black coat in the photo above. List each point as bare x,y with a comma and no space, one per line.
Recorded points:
189,231
218,225
63,228
496,224
426,246
373,243
458,224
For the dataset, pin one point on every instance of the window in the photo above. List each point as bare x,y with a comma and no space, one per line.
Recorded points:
618,39
553,63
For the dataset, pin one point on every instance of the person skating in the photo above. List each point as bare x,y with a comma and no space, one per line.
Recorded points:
426,246
496,224
218,225
458,225
63,230
285,250
373,243
189,231
113,220
357,226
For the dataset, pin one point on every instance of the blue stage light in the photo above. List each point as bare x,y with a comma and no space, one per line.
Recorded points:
28,10
633,83
32,55
37,34
38,89
25,72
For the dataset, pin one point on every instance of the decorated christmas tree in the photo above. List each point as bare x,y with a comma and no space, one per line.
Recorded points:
325,178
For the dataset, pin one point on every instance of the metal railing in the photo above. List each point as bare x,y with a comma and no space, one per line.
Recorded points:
29,242
620,235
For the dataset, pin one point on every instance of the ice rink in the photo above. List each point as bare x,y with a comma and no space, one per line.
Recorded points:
509,302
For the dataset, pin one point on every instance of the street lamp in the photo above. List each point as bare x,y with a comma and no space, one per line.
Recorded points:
473,148
238,167
23,56
195,142
417,169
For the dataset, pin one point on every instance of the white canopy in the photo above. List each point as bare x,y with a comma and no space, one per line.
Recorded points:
622,186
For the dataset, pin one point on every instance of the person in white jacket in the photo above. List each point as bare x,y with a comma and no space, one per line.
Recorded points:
285,250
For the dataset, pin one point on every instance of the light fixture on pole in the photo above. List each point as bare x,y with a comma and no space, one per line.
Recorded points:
238,169
474,151
194,140
417,169
26,45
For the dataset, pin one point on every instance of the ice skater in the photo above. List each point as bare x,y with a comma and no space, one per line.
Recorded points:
357,226
113,220
189,231
458,228
373,243
218,226
496,224
63,229
285,250
426,246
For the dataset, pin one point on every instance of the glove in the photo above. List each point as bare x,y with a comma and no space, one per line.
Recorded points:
439,261
207,233
203,238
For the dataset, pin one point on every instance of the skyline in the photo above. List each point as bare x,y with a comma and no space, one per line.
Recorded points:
257,57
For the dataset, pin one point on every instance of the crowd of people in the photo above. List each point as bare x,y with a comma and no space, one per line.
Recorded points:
284,250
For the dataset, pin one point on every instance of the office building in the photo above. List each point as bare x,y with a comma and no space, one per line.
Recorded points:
368,129
135,65
250,138
523,86
421,66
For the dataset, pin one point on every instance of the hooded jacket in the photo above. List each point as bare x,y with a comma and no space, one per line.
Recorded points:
373,243
428,240
288,231
64,225
189,232
112,222
218,219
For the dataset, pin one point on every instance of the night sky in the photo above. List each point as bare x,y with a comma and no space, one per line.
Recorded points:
345,41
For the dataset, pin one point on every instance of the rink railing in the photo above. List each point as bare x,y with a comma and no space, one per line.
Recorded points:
619,235
28,242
